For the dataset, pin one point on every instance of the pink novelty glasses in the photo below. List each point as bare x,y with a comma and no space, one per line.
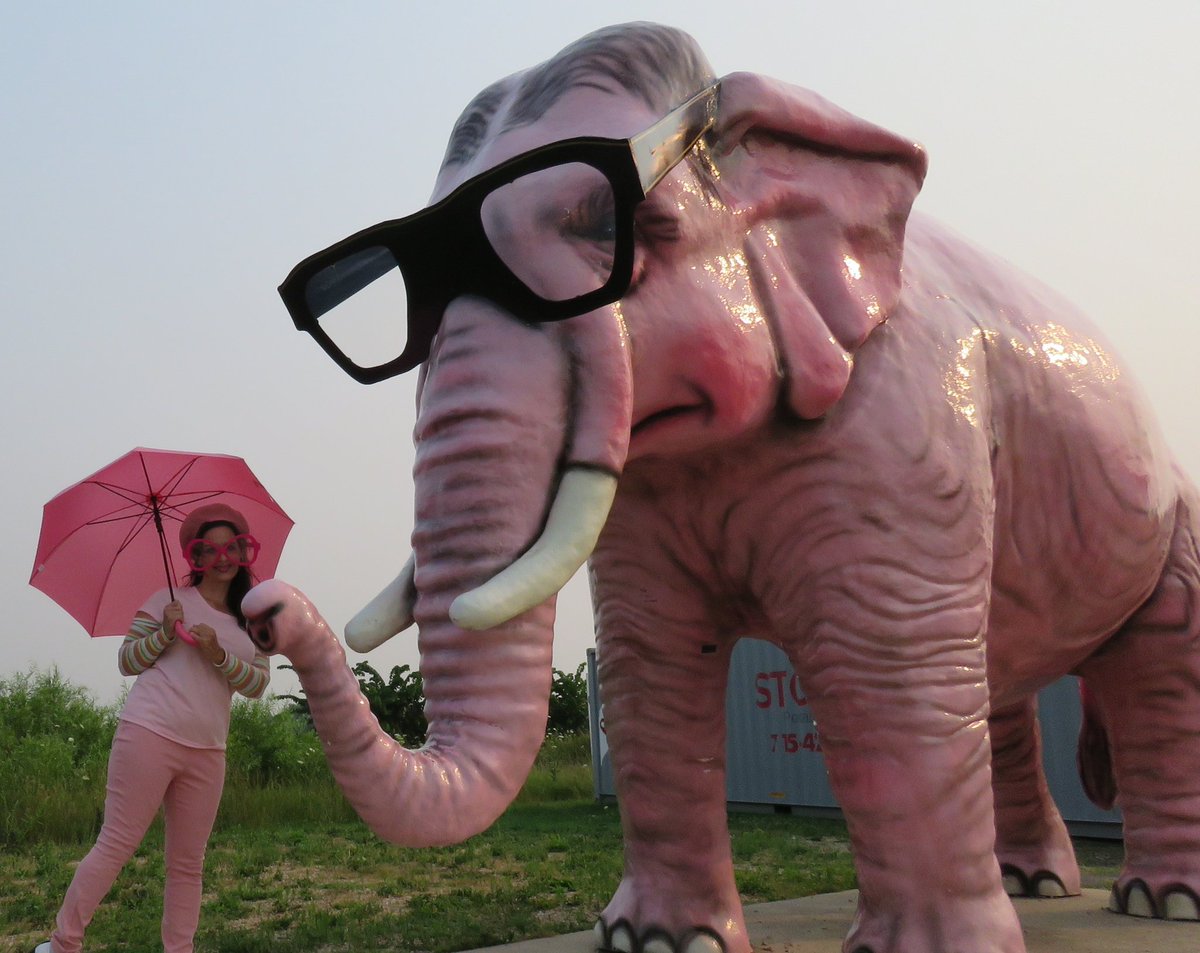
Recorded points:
241,551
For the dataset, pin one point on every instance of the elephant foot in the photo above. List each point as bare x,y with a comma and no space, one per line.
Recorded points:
622,937
1158,897
1039,883
662,920
1033,846
924,925
1042,871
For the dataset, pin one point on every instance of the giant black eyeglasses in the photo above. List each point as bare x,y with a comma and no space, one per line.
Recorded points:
547,235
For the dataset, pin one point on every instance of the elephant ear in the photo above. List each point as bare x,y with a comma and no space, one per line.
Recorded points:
825,198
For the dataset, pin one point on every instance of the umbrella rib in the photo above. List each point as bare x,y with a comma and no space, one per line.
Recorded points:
156,512
124,492
49,554
171,506
139,517
133,533
173,481
142,520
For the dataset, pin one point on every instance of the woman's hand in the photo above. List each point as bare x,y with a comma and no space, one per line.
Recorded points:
172,613
206,642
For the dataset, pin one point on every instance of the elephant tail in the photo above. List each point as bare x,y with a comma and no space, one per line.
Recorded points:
1093,755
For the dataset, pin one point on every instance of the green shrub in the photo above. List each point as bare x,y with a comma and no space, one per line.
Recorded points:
43,704
398,702
565,751
54,745
267,745
568,703
562,772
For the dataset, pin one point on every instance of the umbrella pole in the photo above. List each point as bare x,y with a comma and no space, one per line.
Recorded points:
162,542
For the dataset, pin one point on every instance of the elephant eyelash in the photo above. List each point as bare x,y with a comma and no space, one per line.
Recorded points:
653,225
593,219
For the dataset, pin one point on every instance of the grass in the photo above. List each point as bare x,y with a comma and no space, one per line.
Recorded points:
1099,861
542,869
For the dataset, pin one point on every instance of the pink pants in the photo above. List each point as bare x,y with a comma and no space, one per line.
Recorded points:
144,771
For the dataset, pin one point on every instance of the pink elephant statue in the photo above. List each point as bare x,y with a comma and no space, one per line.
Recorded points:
687,330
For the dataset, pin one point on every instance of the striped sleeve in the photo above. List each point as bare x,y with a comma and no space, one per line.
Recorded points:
249,680
143,644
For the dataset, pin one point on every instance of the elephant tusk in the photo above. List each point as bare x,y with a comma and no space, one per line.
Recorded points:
387,614
577,515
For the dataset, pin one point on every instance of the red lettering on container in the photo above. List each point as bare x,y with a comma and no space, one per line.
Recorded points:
774,688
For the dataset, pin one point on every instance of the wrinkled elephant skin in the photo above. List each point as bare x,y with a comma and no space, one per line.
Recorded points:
831,425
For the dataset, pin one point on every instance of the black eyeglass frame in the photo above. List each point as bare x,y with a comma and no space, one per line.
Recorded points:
428,244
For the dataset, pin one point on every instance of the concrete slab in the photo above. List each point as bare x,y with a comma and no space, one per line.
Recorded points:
819,924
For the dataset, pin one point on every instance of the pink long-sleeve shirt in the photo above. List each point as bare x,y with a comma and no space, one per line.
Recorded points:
181,695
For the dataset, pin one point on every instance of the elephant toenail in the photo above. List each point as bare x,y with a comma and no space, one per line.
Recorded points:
1016,884
1047,885
658,944
1181,905
622,940
1138,902
704,942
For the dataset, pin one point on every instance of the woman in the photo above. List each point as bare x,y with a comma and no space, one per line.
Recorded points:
169,748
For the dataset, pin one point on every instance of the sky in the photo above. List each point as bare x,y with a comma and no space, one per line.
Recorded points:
163,166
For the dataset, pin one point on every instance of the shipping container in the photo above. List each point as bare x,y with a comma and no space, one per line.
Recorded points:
773,745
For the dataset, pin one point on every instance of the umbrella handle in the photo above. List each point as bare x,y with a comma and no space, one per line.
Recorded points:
184,633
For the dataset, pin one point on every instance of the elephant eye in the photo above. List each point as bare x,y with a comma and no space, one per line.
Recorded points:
590,226
593,219
555,229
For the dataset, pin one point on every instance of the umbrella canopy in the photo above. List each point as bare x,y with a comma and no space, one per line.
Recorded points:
112,539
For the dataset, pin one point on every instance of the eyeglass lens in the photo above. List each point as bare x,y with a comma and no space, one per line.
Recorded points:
554,229
361,303
241,550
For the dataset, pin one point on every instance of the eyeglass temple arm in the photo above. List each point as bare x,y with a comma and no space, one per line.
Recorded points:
657,150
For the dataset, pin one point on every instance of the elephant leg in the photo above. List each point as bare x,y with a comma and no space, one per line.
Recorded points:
664,712
1032,843
904,727
1146,684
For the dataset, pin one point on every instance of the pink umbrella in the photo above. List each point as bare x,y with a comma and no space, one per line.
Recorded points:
104,545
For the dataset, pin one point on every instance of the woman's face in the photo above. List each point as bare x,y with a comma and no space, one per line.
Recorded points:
219,556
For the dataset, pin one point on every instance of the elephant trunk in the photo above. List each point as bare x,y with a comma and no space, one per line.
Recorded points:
495,427
481,740
490,439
